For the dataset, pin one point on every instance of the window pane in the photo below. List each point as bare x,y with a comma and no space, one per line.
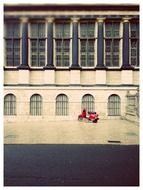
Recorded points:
62,30
112,29
87,30
88,102
87,53
12,30
41,32
12,44
108,52
66,52
37,30
38,43
9,105
66,30
12,52
38,53
83,52
108,30
83,32
134,52
90,59
112,53
115,53
114,105
62,52
62,105
134,30
36,105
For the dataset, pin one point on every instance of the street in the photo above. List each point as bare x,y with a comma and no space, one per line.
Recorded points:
71,165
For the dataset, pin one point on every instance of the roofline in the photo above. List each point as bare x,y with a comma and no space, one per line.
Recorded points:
71,7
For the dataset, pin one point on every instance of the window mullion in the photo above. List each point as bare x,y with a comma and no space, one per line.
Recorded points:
87,47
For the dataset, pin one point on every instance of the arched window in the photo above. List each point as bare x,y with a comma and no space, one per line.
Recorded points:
61,105
88,102
36,105
9,104
114,105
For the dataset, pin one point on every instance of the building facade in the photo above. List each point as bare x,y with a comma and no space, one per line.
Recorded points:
60,59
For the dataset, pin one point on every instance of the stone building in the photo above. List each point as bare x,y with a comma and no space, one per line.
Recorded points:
60,59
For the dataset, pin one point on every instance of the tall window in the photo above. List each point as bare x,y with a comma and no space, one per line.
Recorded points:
36,105
12,43
87,43
112,42
134,44
37,44
114,105
9,104
62,105
62,44
88,102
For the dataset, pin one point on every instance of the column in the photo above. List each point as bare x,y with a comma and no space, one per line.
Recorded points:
75,64
50,64
100,44
125,60
24,63
49,73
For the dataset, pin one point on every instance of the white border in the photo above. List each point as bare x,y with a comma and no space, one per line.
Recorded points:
1,77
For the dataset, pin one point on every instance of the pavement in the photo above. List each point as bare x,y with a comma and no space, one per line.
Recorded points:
72,132
71,165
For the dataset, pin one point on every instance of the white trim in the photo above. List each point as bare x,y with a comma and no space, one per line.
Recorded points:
73,13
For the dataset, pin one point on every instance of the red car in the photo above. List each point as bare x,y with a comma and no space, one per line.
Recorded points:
91,116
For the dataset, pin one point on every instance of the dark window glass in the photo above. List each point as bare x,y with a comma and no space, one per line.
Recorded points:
112,43
10,105
36,105
88,102
62,105
12,44
87,44
37,44
62,44
114,105
134,44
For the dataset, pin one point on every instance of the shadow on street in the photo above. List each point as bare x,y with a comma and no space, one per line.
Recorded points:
71,165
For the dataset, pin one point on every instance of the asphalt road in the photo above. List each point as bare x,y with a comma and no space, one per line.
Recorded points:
71,165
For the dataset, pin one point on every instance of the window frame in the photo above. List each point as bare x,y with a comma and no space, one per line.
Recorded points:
138,44
38,39
119,38
62,107
87,39
12,38
63,39
88,103
10,105
113,108
36,105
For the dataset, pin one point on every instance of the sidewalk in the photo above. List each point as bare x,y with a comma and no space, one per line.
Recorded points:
72,132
